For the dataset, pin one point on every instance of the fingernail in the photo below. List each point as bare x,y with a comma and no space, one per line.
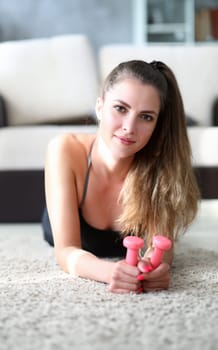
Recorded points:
140,277
147,268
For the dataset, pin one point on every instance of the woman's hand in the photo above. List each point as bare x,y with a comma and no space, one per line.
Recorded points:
154,280
124,278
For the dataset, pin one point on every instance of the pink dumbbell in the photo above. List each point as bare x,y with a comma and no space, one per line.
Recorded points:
133,244
161,244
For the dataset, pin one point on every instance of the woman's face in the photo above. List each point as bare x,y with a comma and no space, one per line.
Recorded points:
128,115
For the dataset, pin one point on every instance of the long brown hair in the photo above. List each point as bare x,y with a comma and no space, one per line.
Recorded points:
160,193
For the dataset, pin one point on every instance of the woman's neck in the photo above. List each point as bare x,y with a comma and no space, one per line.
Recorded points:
107,165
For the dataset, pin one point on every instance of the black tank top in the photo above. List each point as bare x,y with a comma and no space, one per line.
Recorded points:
103,243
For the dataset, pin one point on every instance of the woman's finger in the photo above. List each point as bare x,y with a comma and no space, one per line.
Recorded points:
115,286
161,270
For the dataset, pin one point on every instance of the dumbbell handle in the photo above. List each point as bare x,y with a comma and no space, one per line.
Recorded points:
133,244
161,244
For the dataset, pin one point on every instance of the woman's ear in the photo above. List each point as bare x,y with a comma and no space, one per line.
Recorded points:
98,108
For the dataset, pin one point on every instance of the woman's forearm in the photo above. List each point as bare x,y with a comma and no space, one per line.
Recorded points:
81,263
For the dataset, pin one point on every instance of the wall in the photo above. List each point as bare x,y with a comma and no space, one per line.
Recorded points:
104,21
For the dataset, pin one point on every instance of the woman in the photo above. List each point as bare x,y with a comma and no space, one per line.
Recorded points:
134,177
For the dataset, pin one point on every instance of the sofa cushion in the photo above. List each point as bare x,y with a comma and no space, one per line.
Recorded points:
195,67
47,80
24,147
204,144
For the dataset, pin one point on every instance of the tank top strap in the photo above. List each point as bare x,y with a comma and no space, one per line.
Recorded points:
86,182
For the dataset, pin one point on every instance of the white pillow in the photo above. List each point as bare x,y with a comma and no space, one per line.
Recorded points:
48,80
195,67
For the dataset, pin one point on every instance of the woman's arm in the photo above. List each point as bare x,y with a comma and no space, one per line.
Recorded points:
121,277
64,166
64,162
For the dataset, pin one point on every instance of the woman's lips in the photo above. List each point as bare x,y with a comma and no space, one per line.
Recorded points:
125,140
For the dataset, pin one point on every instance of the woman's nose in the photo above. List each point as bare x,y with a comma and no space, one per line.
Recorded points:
129,124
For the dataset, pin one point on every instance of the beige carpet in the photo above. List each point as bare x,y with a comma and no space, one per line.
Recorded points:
43,308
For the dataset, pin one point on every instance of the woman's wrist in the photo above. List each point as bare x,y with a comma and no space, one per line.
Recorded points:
81,263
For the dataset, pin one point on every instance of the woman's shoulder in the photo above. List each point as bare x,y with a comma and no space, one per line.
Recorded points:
71,149
71,143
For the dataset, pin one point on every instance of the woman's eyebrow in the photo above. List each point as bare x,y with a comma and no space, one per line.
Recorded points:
128,106
122,102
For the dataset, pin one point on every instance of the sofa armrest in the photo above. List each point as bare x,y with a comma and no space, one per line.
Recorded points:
3,116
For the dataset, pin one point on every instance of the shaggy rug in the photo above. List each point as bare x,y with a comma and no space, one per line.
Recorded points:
41,307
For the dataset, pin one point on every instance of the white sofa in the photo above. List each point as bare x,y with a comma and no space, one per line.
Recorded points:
49,86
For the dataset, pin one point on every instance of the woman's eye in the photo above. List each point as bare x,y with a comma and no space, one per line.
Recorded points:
120,108
147,117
